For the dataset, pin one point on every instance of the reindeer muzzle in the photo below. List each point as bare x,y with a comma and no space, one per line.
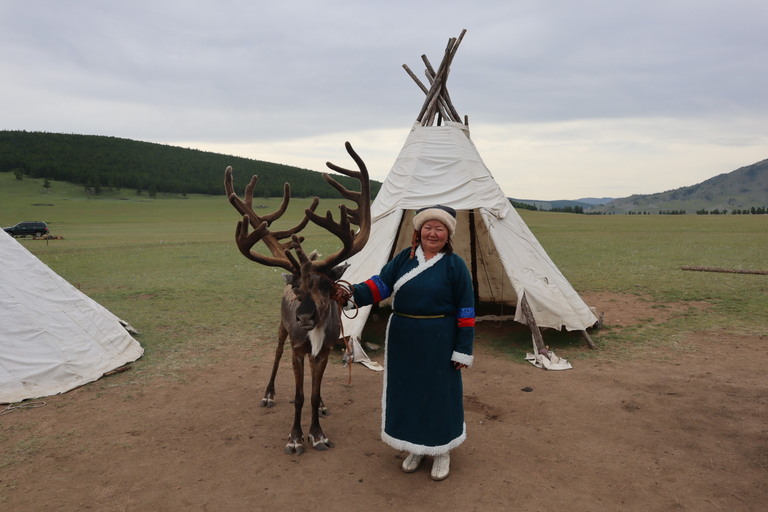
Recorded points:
306,315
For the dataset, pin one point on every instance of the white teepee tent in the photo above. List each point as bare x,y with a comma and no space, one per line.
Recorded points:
439,164
53,338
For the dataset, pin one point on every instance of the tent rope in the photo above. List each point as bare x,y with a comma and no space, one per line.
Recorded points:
21,405
341,293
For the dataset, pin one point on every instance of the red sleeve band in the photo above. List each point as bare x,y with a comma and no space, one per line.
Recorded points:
374,290
467,322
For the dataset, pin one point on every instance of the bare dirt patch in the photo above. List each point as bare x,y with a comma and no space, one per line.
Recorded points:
624,310
688,433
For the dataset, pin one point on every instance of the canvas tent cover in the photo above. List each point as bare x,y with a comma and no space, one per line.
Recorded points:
53,338
441,165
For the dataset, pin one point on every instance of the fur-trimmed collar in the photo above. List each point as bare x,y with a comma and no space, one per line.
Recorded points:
422,264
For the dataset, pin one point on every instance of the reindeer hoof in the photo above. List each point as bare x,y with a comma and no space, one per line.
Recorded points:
267,402
294,447
322,410
322,444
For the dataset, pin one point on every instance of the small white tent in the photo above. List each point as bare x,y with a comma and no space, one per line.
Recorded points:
439,164
53,338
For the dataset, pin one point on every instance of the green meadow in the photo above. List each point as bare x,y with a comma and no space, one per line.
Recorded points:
169,266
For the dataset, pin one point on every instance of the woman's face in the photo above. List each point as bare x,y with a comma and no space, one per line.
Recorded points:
434,235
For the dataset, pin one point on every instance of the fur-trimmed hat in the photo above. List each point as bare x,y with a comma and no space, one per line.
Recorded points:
444,214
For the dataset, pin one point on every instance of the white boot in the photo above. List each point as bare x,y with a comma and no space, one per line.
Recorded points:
441,466
411,462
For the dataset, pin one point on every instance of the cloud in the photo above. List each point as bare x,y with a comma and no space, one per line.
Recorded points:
584,92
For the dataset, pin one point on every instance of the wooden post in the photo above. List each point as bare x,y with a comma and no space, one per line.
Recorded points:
588,339
438,102
445,98
726,270
473,254
440,77
538,339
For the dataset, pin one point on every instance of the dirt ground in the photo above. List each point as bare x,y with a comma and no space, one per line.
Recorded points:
685,432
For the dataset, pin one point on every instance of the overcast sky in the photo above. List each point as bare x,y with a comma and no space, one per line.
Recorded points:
566,99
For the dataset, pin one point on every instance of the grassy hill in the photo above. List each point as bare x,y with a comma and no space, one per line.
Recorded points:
100,163
742,189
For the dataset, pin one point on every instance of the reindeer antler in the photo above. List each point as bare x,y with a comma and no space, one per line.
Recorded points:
281,256
360,216
281,251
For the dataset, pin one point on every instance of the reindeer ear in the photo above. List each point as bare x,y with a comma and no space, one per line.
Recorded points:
287,277
337,271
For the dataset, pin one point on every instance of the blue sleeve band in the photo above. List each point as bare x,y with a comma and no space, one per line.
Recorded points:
384,290
466,313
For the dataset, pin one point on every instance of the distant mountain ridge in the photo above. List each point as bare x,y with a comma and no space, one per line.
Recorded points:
596,200
585,203
742,189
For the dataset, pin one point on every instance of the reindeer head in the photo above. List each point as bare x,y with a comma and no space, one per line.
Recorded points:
312,292
310,278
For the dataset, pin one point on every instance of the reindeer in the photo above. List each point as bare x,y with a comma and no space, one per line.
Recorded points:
309,314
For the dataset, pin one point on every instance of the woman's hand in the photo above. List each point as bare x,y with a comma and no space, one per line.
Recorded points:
459,366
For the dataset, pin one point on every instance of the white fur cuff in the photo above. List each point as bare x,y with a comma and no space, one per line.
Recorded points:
466,359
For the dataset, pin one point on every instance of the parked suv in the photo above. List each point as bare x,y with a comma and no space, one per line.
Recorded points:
36,229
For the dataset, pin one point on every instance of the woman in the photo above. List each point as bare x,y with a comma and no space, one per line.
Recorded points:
429,340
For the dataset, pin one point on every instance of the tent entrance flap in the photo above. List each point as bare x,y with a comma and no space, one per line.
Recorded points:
475,246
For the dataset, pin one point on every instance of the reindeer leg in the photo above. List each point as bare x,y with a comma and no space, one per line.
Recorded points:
322,410
316,435
269,393
296,439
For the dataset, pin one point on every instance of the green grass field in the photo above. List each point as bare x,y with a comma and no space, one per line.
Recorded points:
170,267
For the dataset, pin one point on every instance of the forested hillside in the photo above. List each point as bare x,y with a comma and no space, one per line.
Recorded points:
99,162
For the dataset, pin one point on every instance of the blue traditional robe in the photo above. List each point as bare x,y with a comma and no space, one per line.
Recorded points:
432,325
